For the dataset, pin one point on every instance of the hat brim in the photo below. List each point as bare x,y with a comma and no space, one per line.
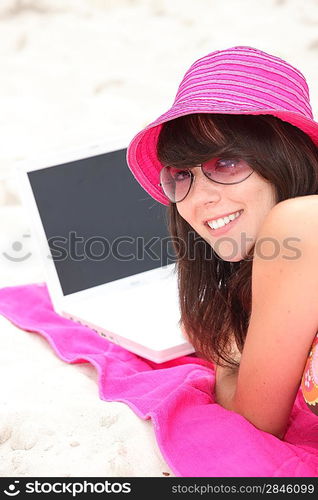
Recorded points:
142,150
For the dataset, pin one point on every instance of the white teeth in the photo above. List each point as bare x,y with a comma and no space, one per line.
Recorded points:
215,224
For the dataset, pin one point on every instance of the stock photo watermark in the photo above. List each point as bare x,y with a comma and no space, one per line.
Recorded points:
159,249
17,248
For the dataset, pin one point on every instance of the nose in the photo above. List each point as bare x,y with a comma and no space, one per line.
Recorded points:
203,190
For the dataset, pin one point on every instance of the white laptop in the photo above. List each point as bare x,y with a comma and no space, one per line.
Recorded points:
108,259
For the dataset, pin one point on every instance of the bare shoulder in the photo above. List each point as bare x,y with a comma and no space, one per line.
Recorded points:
300,202
295,218
293,207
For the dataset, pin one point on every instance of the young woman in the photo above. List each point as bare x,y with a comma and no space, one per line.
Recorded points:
236,161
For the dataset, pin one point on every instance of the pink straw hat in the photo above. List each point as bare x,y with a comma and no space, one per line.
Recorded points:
239,80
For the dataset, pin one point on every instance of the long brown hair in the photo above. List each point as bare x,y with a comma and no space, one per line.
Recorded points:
215,295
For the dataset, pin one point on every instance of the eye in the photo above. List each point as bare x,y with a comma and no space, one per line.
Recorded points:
224,168
228,163
179,175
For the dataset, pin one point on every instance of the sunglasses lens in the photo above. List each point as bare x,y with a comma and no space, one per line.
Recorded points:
175,183
226,171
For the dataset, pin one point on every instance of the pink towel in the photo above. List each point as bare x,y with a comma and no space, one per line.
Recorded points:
197,437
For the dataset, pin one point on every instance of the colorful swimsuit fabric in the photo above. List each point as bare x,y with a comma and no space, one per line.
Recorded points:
196,436
309,383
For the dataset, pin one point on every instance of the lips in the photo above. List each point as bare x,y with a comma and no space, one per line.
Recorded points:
225,228
223,216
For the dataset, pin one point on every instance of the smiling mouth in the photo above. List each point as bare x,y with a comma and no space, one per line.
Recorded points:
225,221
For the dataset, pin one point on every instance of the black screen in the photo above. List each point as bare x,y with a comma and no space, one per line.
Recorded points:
100,224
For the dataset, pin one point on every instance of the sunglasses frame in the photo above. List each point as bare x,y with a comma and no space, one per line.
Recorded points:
193,179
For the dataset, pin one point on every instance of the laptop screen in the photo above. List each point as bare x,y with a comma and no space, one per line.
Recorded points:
100,224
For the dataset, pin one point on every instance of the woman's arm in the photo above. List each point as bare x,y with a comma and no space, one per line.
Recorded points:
226,379
225,385
284,318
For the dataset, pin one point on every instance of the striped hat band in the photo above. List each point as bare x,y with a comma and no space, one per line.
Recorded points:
239,80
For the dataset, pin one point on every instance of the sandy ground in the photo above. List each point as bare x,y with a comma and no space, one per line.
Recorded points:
73,73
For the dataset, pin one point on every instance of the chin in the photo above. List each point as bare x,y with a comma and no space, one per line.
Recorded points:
228,255
236,258
233,259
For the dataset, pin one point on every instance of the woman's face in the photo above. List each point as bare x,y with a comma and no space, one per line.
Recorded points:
207,201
